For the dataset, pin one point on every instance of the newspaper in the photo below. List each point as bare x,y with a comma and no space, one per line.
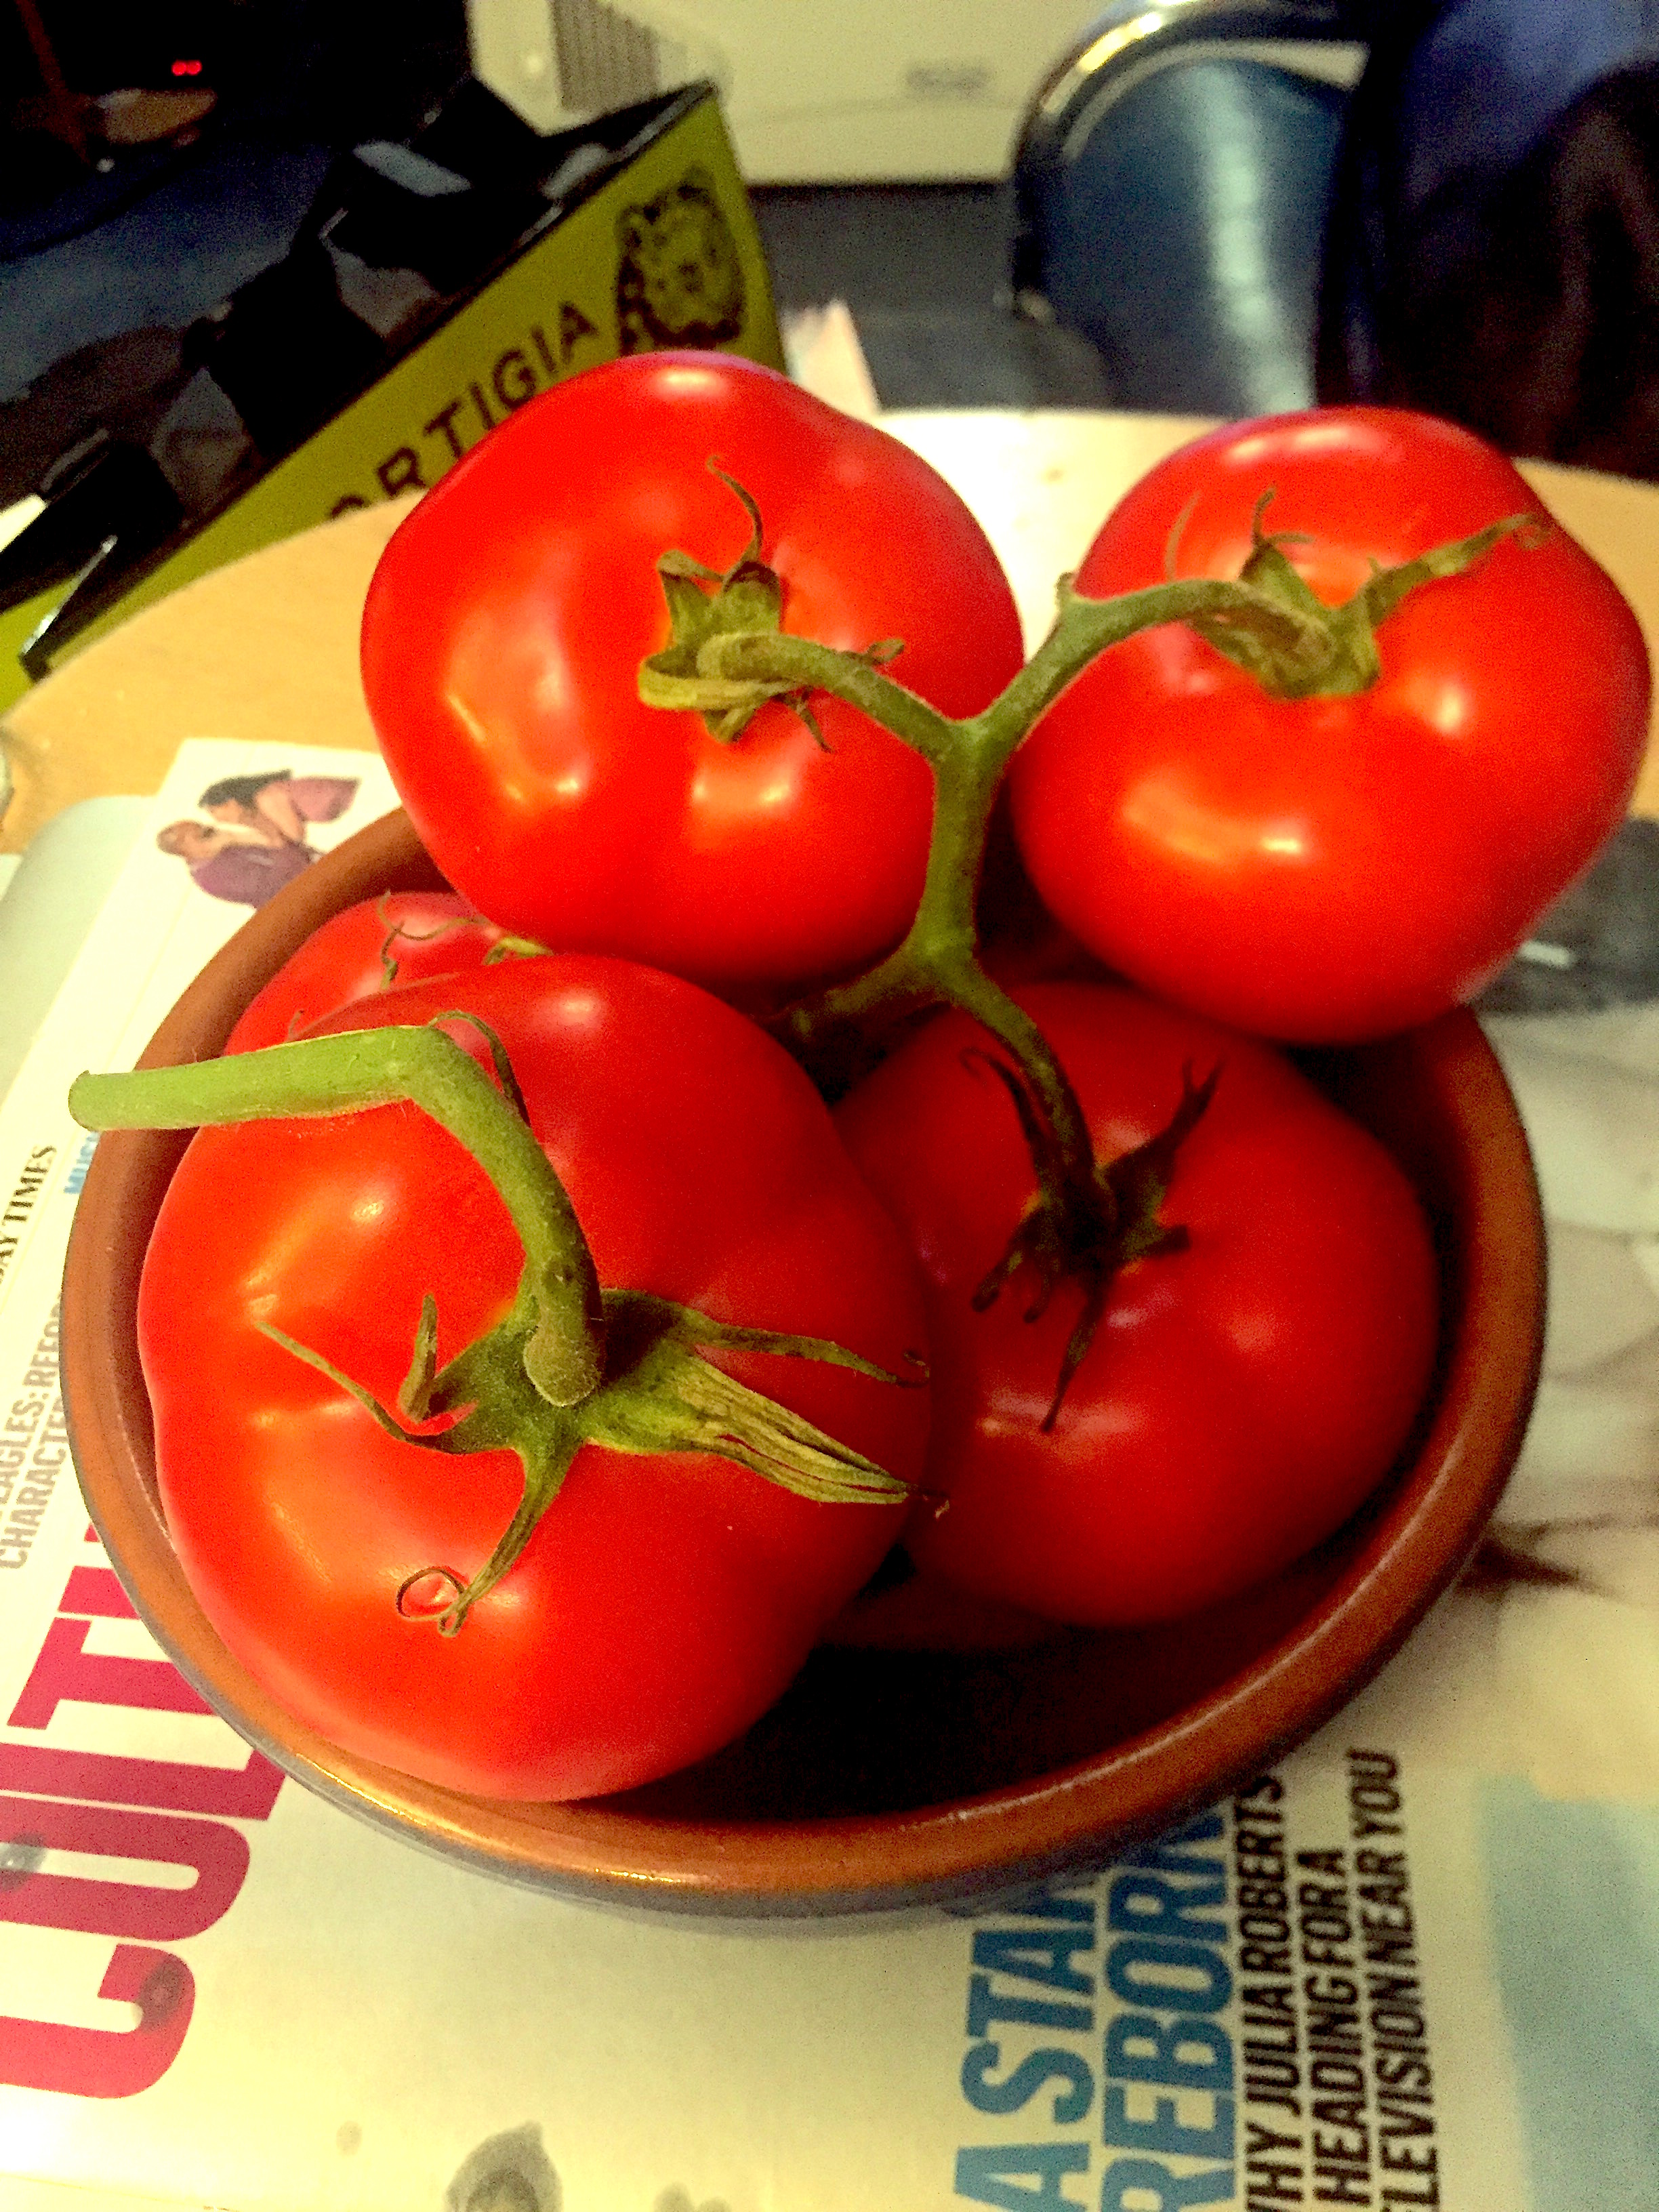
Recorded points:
1416,1965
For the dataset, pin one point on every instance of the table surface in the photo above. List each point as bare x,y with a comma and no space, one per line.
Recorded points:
266,649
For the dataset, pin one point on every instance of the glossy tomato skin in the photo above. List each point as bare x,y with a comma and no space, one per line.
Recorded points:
364,950
507,621
1241,1397
1325,870
663,1602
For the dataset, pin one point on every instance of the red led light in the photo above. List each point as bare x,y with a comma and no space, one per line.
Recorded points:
186,68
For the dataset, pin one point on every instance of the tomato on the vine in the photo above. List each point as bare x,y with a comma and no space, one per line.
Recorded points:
1240,1395
509,615
1329,868
401,938
663,1601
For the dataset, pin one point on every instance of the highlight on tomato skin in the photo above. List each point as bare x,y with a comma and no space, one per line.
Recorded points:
664,1600
506,624
1332,869
1243,1396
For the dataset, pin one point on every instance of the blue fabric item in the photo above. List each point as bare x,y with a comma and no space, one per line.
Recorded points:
1490,76
1455,97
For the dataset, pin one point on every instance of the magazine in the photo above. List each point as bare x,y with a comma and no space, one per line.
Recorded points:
1415,1964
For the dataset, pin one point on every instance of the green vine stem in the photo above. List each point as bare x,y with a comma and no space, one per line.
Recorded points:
558,1304
723,662
569,1365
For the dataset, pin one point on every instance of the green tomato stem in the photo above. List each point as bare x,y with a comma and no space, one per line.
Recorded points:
723,662
568,1365
1073,1226
563,1352
937,962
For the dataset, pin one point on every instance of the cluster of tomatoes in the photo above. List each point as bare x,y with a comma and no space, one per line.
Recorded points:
1323,868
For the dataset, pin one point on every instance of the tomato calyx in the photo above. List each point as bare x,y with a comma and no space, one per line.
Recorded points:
568,1363
1336,655
1085,1228
658,1395
705,603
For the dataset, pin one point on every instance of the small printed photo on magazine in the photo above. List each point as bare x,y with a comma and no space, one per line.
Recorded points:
253,833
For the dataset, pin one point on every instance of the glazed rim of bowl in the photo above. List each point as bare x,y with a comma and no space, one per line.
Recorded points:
1400,1557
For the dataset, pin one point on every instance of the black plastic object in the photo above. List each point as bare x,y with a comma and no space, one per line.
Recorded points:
290,353
245,383
402,210
108,506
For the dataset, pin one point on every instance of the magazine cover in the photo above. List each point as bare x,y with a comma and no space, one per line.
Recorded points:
1416,1965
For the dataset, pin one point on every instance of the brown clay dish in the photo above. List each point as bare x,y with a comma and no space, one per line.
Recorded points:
886,1779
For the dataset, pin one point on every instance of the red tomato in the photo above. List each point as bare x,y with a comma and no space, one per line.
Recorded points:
507,618
1240,1397
358,953
664,1601
1336,868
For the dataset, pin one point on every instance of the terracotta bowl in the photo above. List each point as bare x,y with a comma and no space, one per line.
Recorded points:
888,1778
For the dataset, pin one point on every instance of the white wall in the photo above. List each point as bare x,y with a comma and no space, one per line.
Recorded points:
821,91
